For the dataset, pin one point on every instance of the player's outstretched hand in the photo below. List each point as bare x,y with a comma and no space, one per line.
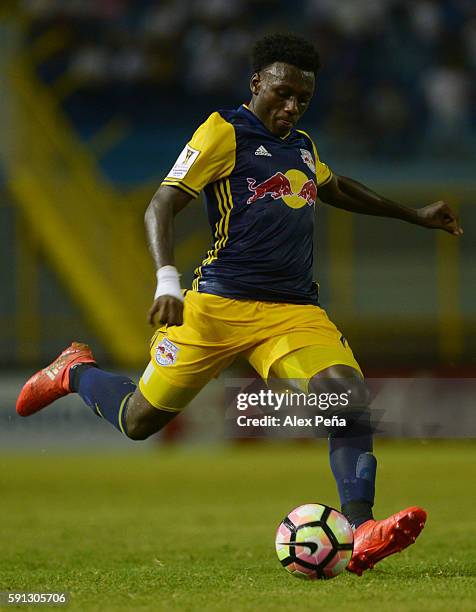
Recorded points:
440,216
167,310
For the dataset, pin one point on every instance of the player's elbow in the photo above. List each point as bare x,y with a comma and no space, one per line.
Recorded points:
149,213
154,204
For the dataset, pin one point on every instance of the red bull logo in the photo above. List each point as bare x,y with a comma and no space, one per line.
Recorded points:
308,192
166,352
276,186
293,187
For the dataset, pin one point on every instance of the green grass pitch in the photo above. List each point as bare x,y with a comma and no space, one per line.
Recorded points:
188,529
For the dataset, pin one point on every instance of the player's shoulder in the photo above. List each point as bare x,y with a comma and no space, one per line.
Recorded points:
222,118
223,126
230,115
215,134
217,127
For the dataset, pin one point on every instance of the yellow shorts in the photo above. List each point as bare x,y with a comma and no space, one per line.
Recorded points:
279,340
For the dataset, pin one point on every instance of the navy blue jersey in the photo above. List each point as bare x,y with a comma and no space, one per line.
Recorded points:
260,193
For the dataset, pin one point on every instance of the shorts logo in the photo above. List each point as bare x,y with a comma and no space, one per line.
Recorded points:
166,352
307,159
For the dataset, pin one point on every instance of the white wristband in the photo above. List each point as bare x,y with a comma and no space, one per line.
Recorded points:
168,283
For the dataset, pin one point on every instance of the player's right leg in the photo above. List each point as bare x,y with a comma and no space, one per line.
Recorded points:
113,397
182,361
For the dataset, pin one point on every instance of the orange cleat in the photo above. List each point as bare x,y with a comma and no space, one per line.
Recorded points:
375,540
49,384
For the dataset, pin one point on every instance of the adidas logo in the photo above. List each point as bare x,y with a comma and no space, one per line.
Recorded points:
52,372
262,151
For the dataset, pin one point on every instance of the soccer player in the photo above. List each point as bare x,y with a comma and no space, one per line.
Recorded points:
253,294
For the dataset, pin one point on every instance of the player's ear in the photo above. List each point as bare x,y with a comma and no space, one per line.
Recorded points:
255,83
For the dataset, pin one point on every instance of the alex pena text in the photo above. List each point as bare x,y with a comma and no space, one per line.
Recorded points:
290,421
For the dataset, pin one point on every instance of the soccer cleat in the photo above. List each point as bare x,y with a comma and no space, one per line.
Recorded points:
52,382
375,540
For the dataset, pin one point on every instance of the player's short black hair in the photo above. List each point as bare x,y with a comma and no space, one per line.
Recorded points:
287,48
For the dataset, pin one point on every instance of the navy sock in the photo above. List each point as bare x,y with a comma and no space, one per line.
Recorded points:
75,373
354,468
106,394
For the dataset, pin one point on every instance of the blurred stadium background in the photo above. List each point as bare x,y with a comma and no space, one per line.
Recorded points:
97,97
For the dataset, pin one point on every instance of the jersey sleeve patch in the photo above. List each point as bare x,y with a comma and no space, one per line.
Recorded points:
184,162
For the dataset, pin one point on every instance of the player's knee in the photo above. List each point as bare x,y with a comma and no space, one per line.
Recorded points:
144,420
358,393
137,430
354,404
343,381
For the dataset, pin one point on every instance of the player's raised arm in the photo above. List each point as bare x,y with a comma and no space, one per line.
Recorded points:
159,223
207,157
347,194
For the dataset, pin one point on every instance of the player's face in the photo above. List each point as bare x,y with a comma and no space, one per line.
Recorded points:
281,95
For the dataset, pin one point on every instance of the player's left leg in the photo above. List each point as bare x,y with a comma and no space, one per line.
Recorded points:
352,461
351,448
307,352
354,467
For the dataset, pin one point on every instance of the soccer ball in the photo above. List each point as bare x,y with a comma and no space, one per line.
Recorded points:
314,541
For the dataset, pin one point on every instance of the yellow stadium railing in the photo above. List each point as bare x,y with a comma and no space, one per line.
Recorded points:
90,234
